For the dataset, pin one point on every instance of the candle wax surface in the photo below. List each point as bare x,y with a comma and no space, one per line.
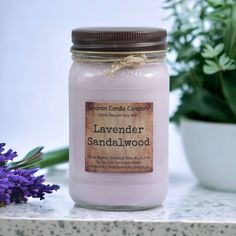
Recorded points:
90,82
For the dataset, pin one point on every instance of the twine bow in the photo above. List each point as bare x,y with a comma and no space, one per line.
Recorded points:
130,61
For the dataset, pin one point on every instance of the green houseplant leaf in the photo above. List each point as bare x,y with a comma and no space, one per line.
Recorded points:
205,105
203,41
210,52
226,63
229,89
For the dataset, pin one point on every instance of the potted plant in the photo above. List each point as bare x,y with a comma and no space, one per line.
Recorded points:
203,42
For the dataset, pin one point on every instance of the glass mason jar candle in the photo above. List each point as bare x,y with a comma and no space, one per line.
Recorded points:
118,90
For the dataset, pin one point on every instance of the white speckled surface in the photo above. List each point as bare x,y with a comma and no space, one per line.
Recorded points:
188,210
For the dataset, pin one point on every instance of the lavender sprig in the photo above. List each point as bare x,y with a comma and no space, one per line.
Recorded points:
7,156
17,181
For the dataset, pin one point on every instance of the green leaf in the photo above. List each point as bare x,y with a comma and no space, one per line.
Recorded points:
54,157
202,104
32,158
210,70
172,5
34,152
185,79
216,3
211,67
210,52
36,158
212,64
219,48
186,53
226,63
230,33
229,90
178,81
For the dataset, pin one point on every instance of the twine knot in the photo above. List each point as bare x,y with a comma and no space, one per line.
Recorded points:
130,61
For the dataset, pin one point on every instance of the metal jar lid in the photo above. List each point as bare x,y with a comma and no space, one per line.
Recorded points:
119,39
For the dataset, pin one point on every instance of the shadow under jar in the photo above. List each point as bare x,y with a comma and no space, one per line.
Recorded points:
118,89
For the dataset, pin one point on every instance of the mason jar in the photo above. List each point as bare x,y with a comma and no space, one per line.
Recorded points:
118,95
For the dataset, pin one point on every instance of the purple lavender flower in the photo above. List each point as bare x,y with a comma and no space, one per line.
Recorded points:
5,188
7,156
17,185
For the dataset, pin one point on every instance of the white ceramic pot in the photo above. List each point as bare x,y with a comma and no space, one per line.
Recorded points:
211,152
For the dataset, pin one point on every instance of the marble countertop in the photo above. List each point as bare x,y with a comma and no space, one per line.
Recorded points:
188,210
